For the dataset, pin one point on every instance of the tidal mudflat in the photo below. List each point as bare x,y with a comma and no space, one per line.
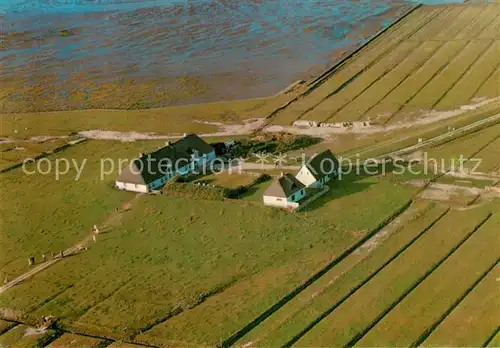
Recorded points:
61,55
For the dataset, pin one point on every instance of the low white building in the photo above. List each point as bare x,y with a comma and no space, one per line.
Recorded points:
152,171
318,170
285,192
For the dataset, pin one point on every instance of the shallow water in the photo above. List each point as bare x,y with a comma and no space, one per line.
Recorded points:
242,48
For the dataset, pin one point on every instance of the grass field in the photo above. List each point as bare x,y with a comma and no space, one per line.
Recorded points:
407,323
15,152
24,336
72,340
490,158
472,146
21,336
438,57
476,316
377,144
357,315
168,270
370,263
227,180
495,340
361,62
161,256
73,206
167,120
343,279
5,325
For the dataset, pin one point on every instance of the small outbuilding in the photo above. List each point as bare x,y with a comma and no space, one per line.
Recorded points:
285,192
319,169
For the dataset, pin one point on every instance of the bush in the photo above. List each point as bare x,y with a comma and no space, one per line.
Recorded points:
274,144
237,192
262,178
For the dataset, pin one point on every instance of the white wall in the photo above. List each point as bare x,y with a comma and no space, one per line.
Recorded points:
131,187
284,202
306,177
159,182
275,201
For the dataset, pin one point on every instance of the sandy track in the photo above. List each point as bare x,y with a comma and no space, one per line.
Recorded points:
253,125
75,249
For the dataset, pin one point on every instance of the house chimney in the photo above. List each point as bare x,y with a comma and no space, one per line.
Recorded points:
167,143
141,154
282,175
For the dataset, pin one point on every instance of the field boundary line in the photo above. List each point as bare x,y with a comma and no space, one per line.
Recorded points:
442,67
483,52
419,281
443,42
495,70
461,118
447,137
479,21
323,315
85,310
393,228
45,154
179,310
439,71
47,300
470,133
472,20
63,330
267,313
431,329
476,20
381,76
376,60
405,78
12,325
486,145
493,335
319,80
442,25
343,61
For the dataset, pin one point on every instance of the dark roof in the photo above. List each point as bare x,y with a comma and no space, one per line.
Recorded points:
322,164
153,166
192,142
284,186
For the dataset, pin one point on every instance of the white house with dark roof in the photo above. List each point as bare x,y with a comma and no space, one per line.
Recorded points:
318,170
284,192
152,171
